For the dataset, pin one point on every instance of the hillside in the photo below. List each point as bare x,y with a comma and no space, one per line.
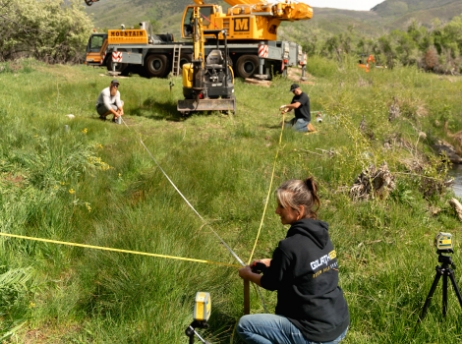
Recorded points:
402,7
400,13
385,16
336,21
112,13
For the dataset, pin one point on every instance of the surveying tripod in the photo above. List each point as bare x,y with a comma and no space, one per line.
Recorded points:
446,269
191,331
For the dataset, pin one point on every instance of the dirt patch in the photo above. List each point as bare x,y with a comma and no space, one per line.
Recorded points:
14,179
295,74
265,83
48,334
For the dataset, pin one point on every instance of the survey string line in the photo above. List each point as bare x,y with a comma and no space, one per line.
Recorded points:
269,189
187,202
257,288
197,213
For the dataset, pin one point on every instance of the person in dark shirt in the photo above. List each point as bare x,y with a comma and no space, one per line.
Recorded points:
304,270
301,106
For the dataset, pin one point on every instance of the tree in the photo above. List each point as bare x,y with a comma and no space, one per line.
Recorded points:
7,40
431,58
452,36
386,49
54,30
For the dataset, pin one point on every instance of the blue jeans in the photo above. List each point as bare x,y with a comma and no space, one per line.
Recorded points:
299,124
274,329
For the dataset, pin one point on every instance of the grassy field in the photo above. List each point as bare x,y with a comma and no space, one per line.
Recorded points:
90,182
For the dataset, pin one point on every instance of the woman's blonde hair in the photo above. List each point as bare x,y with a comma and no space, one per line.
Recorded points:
294,193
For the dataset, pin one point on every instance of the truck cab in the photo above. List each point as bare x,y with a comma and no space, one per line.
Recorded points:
96,46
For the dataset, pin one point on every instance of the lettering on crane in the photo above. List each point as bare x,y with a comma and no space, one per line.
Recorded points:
241,24
127,36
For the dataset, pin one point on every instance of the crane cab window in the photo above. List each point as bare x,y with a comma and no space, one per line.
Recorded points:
205,13
187,24
95,43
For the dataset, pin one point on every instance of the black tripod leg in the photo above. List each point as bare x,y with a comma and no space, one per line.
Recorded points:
430,294
445,292
190,333
456,288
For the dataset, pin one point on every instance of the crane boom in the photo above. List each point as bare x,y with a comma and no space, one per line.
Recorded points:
244,2
278,9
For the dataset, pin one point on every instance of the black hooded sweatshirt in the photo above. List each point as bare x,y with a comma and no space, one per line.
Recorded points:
304,271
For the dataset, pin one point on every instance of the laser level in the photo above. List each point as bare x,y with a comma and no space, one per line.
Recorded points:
443,242
201,314
202,307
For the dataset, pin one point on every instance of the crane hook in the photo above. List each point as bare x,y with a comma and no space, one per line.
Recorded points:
90,2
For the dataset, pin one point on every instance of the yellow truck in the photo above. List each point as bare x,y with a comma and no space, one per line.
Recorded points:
251,27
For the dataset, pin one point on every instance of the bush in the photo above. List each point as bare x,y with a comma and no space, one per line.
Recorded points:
54,31
321,67
15,289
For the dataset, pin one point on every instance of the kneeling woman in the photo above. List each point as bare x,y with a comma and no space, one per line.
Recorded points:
310,305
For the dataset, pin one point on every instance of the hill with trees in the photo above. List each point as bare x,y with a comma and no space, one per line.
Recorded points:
398,14
390,14
394,37
165,16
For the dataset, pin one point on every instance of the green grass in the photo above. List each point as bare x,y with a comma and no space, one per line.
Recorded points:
95,184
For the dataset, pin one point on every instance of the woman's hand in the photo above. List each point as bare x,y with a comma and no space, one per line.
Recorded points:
266,261
246,274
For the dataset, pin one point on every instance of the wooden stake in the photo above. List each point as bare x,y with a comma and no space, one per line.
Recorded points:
246,297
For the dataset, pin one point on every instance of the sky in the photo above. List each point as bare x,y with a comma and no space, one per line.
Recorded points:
358,5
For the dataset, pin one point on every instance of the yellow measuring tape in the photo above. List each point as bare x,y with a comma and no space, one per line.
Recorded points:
269,190
117,250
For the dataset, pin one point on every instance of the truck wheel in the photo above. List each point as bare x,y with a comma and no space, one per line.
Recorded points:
184,58
247,65
157,65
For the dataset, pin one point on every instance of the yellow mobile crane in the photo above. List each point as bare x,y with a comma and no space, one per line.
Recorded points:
248,19
251,27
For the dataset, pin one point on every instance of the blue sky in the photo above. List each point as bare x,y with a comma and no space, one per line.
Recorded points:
358,5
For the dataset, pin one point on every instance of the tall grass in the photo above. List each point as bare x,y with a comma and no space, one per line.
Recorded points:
95,184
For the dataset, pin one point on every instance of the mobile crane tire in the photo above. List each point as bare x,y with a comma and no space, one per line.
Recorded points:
185,58
247,65
157,66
